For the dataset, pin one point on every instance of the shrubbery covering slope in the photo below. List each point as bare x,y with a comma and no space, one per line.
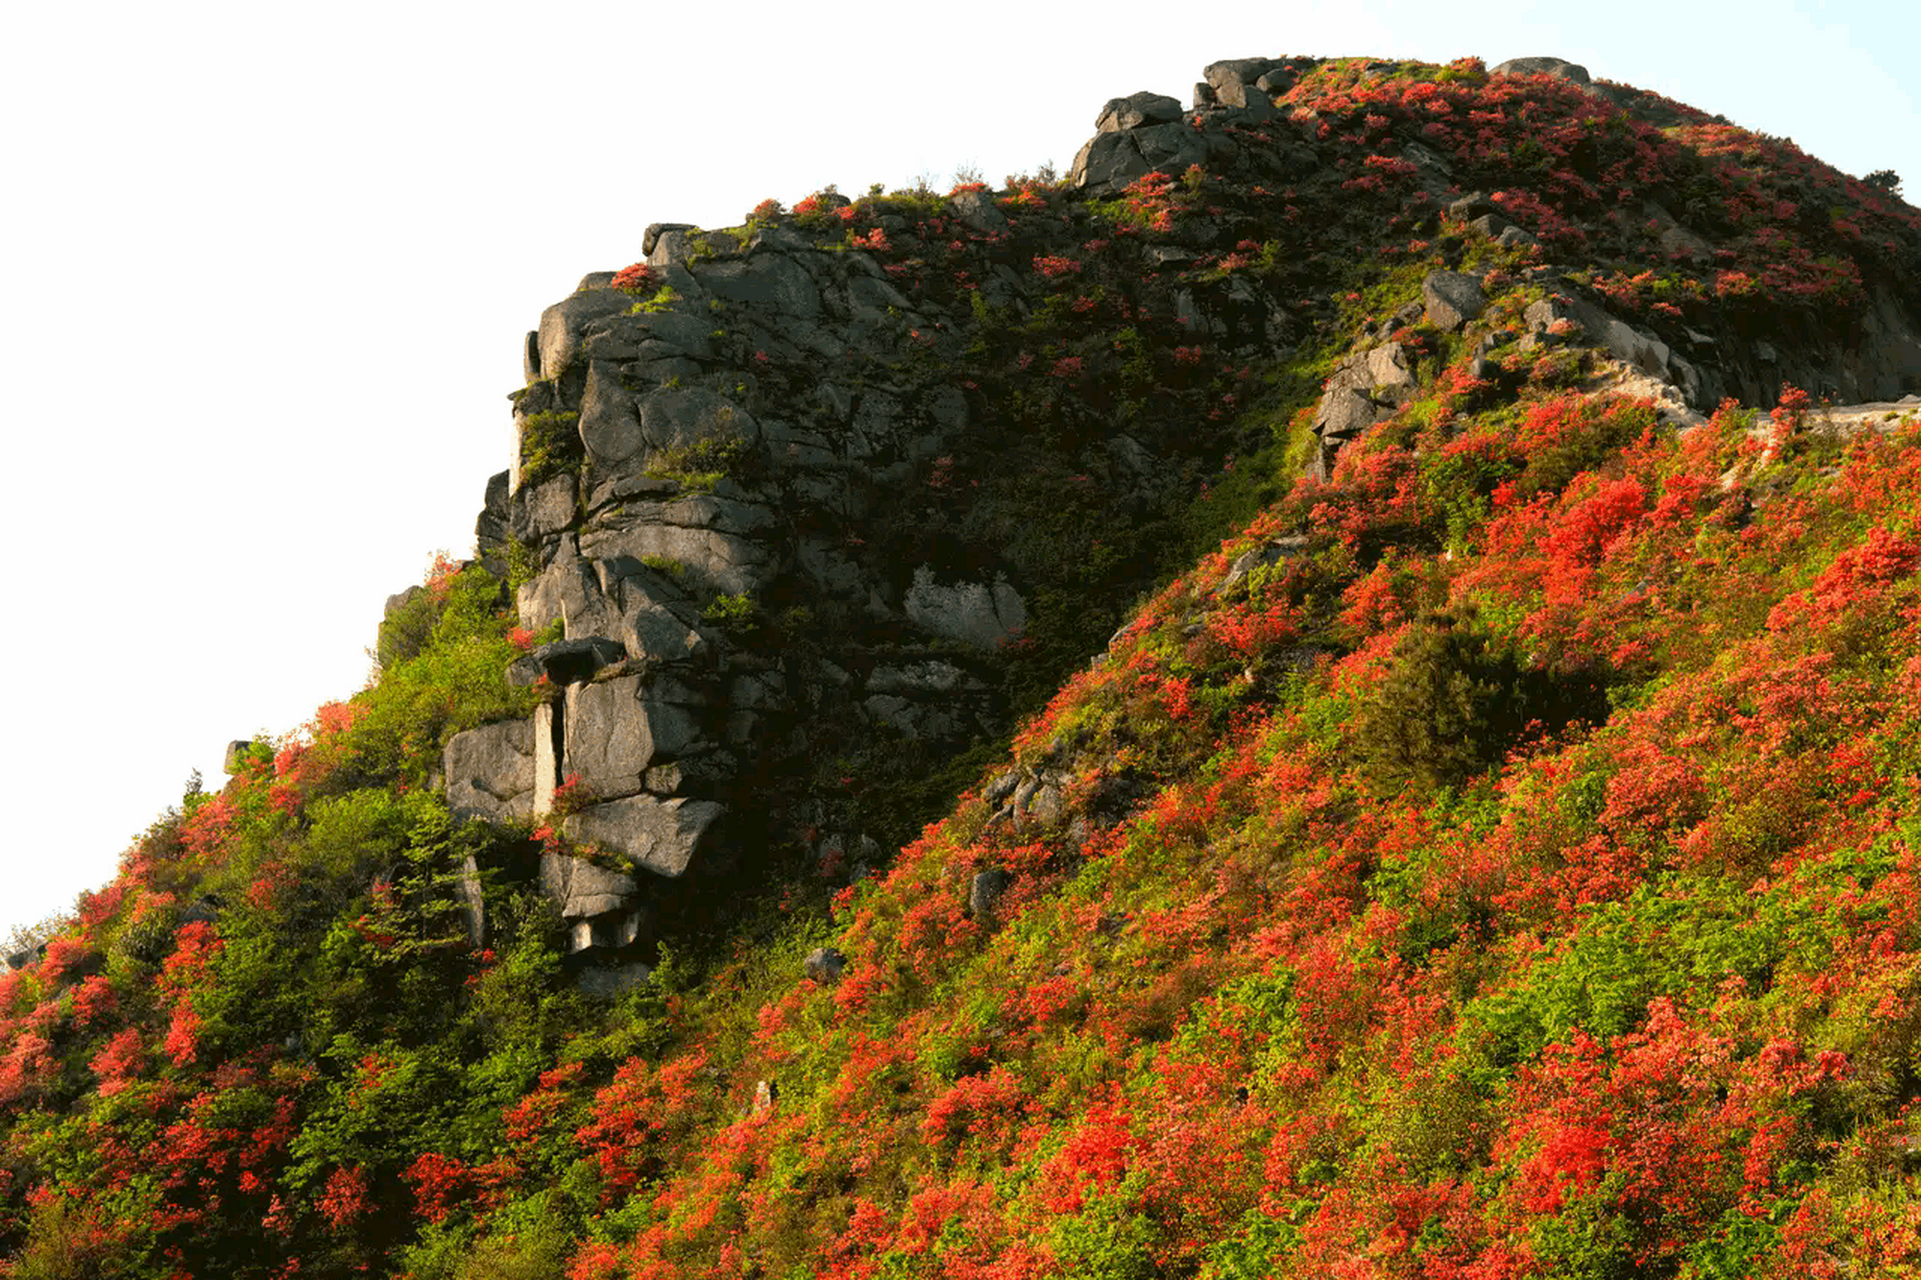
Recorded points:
1497,859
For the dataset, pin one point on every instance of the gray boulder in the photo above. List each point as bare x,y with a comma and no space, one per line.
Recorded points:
490,772
564,325
978,210
676,418
1110,161
546,508
1365,389
824,966
1236,81
768,279
1136,110
609,425
567,590
717,540
984,891
235,758
651,236
1452,299
662,836
1559,68
581,889
1633,347
614,730
1264,556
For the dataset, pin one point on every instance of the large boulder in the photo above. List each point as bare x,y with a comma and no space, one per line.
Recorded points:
717,540
1559,68
1364,389
1236,81
568,591
582,889
1137,109
662,836
490,772
651,236
609,425
546,508
1110,161
614,730
565,324
1452,299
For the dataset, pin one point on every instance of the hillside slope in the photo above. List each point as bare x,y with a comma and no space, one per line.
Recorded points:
1489,851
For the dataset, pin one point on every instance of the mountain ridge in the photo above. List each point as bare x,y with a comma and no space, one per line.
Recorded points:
1322,804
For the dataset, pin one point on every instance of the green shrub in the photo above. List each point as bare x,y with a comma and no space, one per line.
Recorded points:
699,466
458,680
1456,698
731,612
550,444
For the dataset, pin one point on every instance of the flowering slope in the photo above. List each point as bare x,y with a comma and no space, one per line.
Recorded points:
1496,859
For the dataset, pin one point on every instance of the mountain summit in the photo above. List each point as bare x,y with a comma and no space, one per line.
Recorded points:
1330,694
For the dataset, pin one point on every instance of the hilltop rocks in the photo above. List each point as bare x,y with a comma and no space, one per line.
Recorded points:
765,510
1559,68
1244,82
1110,160
1136,110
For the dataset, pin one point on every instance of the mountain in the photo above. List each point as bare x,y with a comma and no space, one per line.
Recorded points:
1331,694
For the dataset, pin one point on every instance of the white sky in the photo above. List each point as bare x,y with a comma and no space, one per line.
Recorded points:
270,267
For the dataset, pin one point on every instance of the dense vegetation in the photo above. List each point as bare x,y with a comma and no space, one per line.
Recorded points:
1496,860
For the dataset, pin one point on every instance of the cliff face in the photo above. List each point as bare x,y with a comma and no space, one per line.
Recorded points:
808,505
1261,709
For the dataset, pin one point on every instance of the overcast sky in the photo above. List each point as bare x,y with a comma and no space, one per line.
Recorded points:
270,267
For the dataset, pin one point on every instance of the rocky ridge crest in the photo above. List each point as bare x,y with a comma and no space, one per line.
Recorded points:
765,492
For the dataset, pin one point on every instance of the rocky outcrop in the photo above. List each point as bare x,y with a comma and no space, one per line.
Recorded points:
490,772
761,482
1558,68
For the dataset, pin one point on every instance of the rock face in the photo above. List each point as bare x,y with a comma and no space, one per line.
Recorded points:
661,836
772,492
490,772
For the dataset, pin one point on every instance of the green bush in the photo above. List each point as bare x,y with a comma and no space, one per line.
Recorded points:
1457,697
550,444
456,681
